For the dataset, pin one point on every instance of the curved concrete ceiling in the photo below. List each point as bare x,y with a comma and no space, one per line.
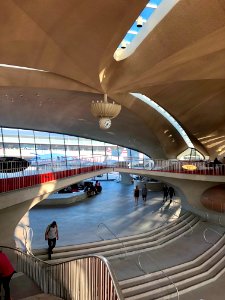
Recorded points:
179,65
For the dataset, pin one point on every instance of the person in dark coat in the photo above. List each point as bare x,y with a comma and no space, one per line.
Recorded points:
171,193
165,193
136,195
144,192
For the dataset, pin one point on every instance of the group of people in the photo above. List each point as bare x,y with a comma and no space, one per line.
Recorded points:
144,192
168,192
92,189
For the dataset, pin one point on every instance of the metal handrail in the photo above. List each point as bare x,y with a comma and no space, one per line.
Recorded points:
98,234
14,178
204,234
47,277
163,272
27,228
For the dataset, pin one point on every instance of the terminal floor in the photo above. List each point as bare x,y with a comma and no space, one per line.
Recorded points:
114,206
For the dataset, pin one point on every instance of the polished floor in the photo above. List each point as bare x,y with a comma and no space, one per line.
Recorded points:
114,207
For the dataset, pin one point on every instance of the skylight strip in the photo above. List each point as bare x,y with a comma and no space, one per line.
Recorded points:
22,68
152,21
151,5
132,32
166,115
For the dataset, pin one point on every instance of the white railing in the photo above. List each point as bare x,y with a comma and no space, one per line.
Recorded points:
13,177
85,278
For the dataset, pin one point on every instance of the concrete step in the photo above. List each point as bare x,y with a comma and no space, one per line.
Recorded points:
186,216
42,297
131,247
186,276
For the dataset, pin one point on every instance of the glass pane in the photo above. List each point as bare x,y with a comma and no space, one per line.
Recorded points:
10,135
28,151
58,154
85,148
11,142
26,136
12,149
99,153
41,137
85,151
0,135
97,143
86,142
72,155
122,153
56,139
43,154
27,145
71,140
1,149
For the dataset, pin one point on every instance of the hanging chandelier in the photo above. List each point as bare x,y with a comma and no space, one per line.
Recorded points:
105,111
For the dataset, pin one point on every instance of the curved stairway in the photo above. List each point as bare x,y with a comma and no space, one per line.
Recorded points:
188,276
129,245
192,274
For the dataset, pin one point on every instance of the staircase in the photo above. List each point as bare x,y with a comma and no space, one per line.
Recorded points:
188,276
129,245
163,283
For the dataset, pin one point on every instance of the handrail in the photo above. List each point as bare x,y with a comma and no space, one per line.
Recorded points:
97,276
204,234
163,272
14,178
27,228
98,234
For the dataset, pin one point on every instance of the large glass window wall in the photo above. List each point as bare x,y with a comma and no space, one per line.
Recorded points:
44,148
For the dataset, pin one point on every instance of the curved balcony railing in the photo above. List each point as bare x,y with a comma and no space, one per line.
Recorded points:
85,278
14,176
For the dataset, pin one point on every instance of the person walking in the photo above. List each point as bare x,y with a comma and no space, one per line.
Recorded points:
165,193
171,193
51,234
6,273
144,192
136,195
